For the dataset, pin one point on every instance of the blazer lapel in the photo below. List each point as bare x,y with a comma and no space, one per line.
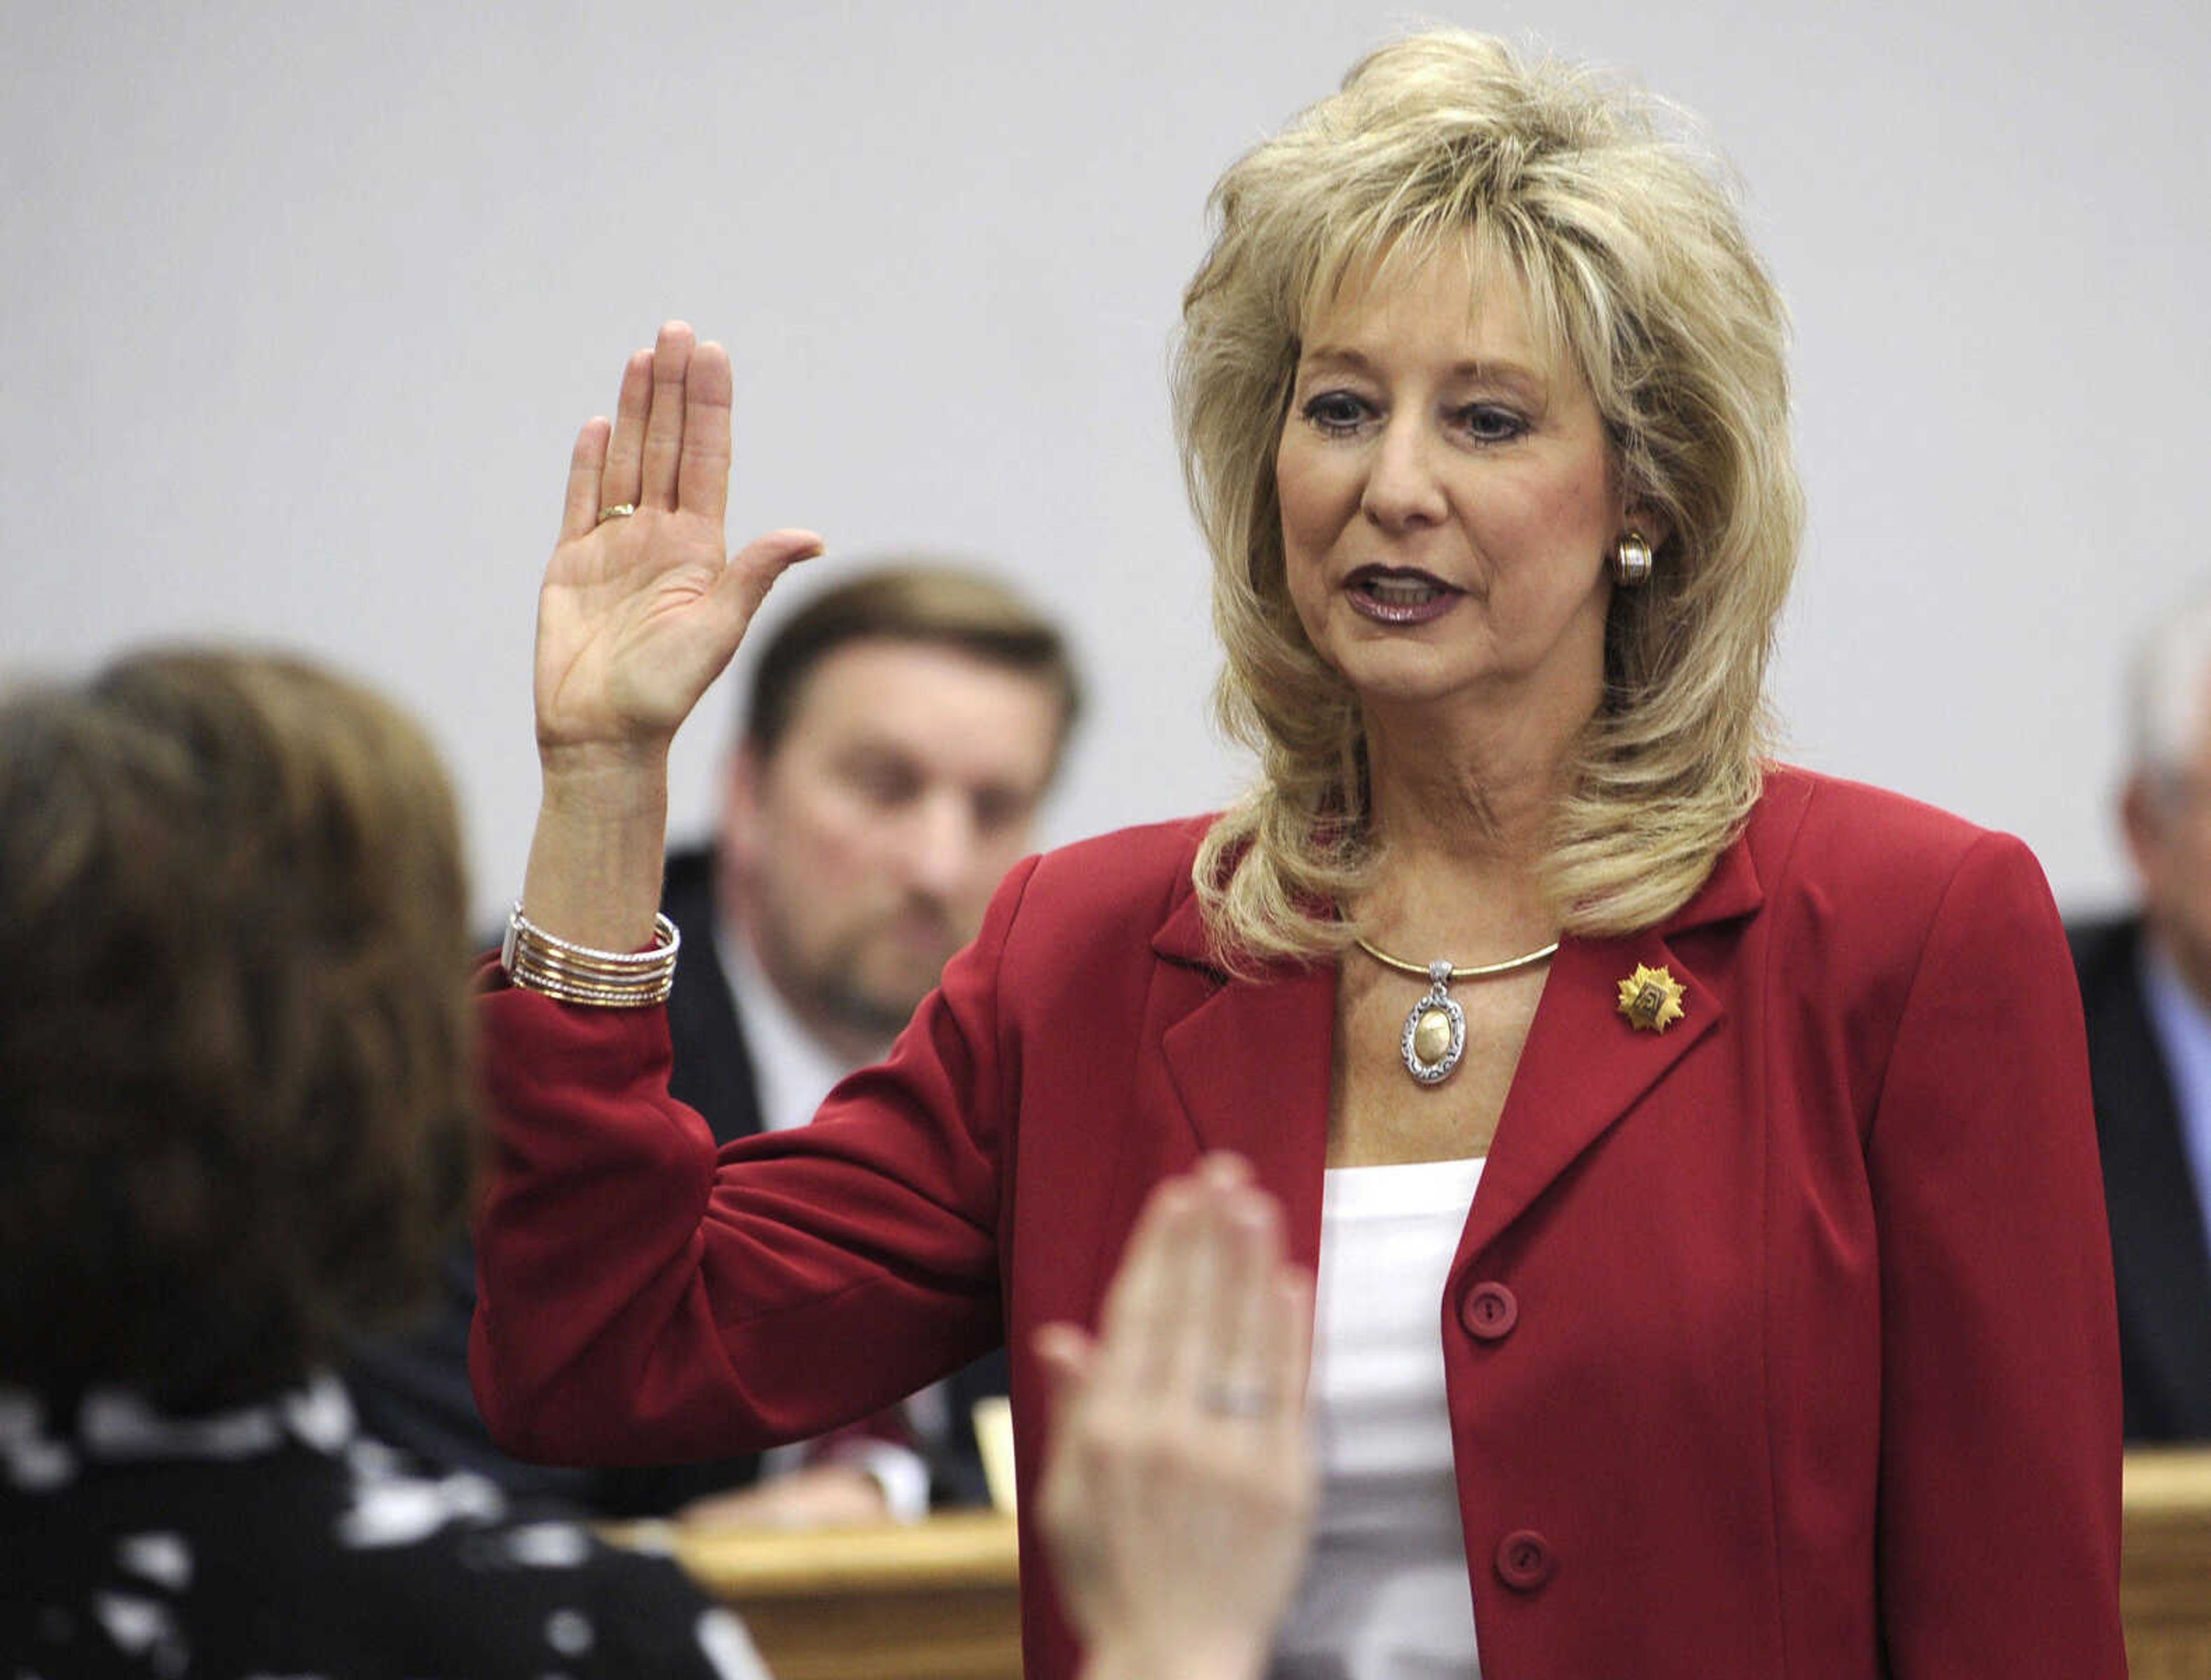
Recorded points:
1585,1064
1250,1062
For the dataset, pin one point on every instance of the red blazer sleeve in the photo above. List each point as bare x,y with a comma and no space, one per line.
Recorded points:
1999,1501
641,1299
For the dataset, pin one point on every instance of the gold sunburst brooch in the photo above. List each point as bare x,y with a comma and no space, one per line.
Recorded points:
1650,998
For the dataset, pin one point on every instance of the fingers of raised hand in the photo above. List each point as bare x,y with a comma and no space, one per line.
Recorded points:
744,583
1245,1372
668,446
702,470
1144,1327
618,485
1178,1490
1065,1352
1201,1321
587,467
664,416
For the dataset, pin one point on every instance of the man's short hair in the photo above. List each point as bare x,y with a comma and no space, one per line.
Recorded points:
2167,691
935,604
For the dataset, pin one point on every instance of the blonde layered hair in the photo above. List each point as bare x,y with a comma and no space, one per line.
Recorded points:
1639,272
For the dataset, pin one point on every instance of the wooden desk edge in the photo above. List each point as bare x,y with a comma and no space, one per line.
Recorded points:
953,1550
2167,1497
2167,1480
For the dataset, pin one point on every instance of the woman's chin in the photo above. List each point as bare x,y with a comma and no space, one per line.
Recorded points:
1399,682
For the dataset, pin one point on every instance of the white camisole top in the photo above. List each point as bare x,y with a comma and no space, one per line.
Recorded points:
1385,1596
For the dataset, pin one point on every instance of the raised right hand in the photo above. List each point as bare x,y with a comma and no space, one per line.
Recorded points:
1179,1487
638,614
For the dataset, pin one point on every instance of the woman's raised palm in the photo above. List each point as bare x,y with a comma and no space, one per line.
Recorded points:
641,610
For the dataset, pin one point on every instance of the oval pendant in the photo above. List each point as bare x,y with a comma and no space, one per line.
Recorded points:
1434,1037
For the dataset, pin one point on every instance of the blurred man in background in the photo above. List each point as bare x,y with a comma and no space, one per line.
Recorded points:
900,732
2145,986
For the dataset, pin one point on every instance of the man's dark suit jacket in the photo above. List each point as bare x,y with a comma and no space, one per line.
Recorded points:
413,1389
2158,1252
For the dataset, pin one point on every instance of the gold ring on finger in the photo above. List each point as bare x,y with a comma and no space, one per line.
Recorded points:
620,510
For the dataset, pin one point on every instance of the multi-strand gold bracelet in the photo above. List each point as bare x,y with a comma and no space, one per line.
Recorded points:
578,975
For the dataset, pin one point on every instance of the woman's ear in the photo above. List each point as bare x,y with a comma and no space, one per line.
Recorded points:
1648,522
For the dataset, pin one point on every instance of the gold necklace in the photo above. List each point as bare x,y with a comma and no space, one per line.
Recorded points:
1435,1027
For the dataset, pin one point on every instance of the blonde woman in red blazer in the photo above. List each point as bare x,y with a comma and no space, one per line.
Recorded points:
1777,1338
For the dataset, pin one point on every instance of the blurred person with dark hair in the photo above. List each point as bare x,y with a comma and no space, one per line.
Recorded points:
2145,987
236,1124
901,729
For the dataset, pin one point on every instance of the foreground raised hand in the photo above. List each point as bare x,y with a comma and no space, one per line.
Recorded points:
640,611
1177,1494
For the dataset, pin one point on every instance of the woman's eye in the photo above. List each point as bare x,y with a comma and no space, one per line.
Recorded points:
1490,424
1335,412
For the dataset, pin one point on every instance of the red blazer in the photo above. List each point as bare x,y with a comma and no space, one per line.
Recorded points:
1781,1344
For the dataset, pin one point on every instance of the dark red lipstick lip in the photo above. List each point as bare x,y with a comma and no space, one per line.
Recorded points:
1396,573
1398,612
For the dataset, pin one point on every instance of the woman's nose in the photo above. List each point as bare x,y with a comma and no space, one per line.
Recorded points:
1403,487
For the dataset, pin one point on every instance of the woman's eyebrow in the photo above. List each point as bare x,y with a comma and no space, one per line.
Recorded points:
1343,359
1332,359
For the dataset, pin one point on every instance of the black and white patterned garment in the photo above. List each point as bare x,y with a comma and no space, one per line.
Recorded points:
277,1543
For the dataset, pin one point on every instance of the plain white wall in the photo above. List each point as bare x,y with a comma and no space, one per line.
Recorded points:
305,305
